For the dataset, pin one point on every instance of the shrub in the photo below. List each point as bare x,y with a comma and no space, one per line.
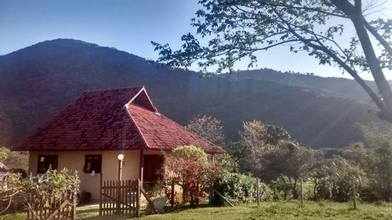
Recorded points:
239,188
189,167
51,184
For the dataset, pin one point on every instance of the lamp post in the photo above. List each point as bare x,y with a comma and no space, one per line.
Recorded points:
120,158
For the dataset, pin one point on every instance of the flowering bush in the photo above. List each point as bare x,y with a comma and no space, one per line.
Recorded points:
189,167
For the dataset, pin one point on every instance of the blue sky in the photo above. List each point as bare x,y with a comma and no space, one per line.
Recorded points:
127,25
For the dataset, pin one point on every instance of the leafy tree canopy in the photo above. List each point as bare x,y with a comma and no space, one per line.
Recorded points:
238,29
208,127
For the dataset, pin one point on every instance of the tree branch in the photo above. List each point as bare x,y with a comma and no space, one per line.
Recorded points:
339,61
380,39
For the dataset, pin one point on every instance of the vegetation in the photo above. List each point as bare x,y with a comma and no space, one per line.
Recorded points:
283,210
266,210
303,105
208,127
239,29
189,167
52,184
12,159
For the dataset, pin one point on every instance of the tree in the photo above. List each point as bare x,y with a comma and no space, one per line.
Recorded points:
255,138
189,167
238,29
337,178
383,168
357,154
270,153
375,132
209,128
289,162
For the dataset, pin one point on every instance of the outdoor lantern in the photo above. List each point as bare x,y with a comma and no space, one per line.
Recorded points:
120,157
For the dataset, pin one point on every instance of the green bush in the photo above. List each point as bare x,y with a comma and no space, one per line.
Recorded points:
239,188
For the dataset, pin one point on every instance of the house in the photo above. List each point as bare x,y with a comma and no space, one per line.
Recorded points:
101,127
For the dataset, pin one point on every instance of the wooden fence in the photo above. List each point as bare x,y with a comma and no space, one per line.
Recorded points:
119,197
50,207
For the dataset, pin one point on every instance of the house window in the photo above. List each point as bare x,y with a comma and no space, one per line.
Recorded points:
93,164
47,161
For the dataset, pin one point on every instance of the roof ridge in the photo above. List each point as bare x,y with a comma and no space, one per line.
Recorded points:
112,90
136,125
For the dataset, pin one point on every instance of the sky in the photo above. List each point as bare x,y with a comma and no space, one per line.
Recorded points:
128,25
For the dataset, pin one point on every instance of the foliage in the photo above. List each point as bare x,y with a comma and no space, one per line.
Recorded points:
3,154
375,132
289,164
227,163
237,30
257,134
208,127
12,159
256,137
235,186
337,179
189,167
376,160
382,176
51,184
239,188
271,154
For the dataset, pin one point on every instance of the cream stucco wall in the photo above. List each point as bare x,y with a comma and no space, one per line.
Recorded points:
74,160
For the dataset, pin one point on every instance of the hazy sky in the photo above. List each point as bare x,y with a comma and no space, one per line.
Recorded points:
127,25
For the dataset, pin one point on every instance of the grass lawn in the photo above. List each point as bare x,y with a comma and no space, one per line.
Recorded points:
267,210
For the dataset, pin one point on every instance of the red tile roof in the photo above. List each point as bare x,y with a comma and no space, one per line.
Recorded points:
120,119
159,132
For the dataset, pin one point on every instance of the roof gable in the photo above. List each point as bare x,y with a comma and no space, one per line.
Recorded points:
142,99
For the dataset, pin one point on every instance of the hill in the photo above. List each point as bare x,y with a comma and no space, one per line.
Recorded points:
38,81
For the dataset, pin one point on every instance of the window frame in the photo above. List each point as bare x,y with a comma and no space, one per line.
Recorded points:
85,163
54,164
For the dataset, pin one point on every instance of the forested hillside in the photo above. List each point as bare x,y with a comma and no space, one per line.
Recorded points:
38,81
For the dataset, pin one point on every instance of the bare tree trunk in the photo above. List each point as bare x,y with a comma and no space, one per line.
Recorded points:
354,197
354,12
374,64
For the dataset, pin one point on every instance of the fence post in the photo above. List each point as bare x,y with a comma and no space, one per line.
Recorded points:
354,197
172,194
302,192
100,193
258,191
118,196
74,205
138,198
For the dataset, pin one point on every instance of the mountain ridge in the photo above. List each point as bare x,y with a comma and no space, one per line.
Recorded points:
40,80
